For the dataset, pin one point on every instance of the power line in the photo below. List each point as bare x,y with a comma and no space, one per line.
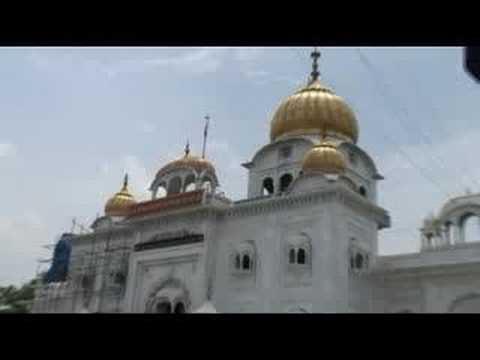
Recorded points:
421,170
440,126
425,139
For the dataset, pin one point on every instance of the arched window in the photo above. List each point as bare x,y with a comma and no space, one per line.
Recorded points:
267,187
237,261
291,256
301,256
362,191
358,261
174,186
246,262
189,183
285,181
179,308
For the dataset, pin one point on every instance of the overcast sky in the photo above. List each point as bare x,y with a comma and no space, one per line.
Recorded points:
73,120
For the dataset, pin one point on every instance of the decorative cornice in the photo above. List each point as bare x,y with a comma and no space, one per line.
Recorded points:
273,203
424,270
104,233
247,207
176,201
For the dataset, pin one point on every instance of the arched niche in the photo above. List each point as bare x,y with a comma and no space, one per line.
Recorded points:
169,290
163,307
174,185
299,250
267,186
179,308
362,191
189,184
285,181
243,257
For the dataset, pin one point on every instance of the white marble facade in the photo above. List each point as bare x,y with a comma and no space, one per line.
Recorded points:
301,243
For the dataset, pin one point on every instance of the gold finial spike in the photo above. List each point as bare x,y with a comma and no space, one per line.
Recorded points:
315,55
125,181
187,148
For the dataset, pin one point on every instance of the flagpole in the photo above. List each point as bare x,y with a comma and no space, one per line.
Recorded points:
205,133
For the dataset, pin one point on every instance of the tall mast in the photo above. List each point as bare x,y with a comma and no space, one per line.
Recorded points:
205,133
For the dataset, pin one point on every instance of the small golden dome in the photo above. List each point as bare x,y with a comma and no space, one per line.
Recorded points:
120,203
325,158
314,110
189,161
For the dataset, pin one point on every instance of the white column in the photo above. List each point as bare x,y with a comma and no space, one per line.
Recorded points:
446,233
457,234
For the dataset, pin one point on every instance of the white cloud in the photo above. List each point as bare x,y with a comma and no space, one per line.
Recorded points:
7,149
195,61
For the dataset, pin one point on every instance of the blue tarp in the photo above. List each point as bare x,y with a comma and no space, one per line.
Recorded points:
61,257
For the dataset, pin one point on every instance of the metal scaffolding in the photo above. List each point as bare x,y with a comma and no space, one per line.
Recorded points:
98,274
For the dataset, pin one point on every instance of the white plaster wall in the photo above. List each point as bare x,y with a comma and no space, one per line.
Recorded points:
272,288
268,163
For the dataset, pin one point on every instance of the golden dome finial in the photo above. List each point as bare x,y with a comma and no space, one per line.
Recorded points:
314,110
315,55
125,182
187,148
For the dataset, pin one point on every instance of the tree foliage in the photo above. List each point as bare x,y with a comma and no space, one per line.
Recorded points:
17,299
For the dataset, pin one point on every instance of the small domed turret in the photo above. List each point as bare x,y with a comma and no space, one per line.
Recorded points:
324,158
120,203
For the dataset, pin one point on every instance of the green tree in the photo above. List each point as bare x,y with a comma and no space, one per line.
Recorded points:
17,300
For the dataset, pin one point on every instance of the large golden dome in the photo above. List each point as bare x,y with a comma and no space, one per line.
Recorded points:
314,110
120,203
324,158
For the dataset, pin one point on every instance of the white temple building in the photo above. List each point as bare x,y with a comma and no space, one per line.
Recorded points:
305,240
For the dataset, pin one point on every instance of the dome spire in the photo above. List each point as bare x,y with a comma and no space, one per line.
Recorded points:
315,55
187,148
120,203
